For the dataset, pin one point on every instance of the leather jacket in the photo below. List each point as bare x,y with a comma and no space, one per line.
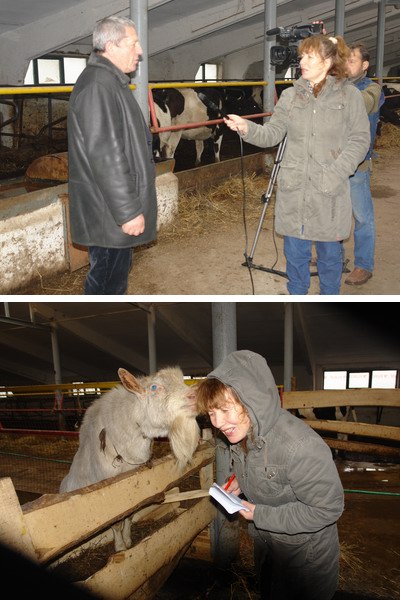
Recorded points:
111,166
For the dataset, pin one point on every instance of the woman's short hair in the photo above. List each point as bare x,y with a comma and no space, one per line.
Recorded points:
110,29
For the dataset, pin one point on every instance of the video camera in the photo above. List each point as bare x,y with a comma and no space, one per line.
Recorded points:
288,54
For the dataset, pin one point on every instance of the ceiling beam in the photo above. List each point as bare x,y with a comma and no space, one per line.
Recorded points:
119,351
305,341
27,372
187,329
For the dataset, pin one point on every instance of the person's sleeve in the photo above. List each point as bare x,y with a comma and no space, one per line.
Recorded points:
371,95
319,495
100,122
272,132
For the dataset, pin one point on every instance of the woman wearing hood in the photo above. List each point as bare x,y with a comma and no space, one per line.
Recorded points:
287,475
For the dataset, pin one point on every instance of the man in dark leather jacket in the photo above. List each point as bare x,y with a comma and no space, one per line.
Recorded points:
113,204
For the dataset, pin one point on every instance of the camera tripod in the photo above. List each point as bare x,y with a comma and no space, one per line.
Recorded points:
265,199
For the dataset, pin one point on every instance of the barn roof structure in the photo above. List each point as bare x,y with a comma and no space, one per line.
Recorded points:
96,338
182,33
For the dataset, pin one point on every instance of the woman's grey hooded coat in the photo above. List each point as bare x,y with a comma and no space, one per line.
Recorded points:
289,474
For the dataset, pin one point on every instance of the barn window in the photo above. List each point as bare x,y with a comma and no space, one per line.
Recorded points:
359,380
54,70
207,72
73,67
335,380
377,378
48,71
384,379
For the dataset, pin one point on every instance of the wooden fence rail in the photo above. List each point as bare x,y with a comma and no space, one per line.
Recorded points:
53,524
361,397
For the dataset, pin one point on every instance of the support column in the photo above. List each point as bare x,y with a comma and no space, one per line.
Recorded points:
57,373
269,70
339,17
138,14
380,40
224,530
288,347
151,334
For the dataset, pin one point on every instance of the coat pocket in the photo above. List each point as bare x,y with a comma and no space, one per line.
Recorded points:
289,177
292,551
327,182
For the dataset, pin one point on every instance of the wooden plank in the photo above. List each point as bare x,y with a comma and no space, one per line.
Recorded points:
363,448
207,472
13,530
60,521
325,398
351,428
127,571
189,495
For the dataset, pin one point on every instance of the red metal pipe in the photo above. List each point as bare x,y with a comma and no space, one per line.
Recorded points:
203,123
40,432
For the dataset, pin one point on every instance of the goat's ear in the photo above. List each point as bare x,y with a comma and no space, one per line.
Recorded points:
130,382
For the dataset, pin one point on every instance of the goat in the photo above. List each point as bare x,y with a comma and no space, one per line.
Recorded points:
118,430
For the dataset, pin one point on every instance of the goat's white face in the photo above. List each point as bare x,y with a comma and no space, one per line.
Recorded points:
165,388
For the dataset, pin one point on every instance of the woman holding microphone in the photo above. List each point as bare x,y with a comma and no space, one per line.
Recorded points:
328,135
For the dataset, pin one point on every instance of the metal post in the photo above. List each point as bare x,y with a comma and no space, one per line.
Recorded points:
224,532
57,373
288,347
151,333
339,17
380,40
139,11
269,70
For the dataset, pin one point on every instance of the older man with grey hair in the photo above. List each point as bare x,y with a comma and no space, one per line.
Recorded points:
113,205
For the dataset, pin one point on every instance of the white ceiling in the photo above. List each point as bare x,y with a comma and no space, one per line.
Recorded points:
31,28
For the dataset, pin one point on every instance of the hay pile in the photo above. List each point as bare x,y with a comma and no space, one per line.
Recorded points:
219,206
389,137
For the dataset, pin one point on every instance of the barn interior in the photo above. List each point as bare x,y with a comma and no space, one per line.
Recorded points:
183,41
43,344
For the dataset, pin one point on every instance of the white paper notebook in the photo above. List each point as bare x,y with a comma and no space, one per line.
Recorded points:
230,502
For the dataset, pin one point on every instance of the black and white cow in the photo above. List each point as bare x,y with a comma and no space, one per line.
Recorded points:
390,110
175,107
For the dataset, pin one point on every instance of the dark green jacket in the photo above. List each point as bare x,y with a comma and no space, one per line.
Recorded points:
111,167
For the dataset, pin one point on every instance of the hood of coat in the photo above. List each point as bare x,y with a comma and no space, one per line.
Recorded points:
97,60
251,378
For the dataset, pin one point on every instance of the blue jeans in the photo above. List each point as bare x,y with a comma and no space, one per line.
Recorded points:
329,265
109,270
364,226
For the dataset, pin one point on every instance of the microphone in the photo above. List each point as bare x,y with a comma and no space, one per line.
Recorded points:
275,31
210,104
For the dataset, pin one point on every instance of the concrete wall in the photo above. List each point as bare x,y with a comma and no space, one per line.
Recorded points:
34,232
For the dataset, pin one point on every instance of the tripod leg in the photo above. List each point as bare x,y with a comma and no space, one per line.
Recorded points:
268,194
260,223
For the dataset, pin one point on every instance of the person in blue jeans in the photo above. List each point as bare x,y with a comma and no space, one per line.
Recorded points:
326,126
360,188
